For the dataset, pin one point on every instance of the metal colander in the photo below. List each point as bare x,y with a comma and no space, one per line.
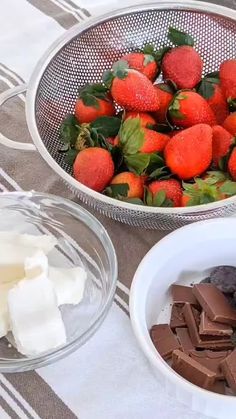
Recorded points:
82,55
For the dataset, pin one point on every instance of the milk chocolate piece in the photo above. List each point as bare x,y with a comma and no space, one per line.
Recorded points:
182,295
184,339
218,387
164,340
192,371
192,317
215,304
211,360
177,317
207,327
228,366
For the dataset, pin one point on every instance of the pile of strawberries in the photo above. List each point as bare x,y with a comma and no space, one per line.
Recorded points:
155,131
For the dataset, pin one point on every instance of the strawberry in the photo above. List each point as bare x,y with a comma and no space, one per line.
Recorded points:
211,90
146,120
165,94
221,142
153,141
171,188
131,89
230,123
189,108
214,187
189,153
232,164
182,64
144,63
134,182
228,80
94,168
93,102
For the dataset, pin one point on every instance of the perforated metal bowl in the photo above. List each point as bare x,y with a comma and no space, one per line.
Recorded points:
81,56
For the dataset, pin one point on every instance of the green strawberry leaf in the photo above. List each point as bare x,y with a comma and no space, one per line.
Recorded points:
174,108
149,49
232,104
159,55
176,114
195,200
148,59
117,191
90,100
117,157
107,78
156,162
108,126
148,198
120,69
137,163
206,89
159,199
214,74
166,87
97,90
228,188
131,136
215,176
69,130
70,156
179,38
136,201
160,173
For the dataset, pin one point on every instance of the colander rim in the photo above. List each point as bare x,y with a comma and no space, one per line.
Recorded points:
78,29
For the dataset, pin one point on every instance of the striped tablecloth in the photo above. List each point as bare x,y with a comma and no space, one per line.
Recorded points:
109,377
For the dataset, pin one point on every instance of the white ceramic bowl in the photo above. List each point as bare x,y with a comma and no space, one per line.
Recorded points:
184,256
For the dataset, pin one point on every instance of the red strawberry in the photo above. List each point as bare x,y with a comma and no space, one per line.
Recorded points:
132,89
145,119
189,153
153,141
144,63
165,95
189,108
211,90
204,191
232,164
171,187
134,182
94,168
93,102
221,142
230,123
228,79
183,65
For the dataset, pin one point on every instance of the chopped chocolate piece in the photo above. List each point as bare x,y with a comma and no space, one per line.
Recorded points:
215,304
164,340
177,317
192,317
228,366
224,278
211,360
218,387
182,295
184,339
192,370
207,327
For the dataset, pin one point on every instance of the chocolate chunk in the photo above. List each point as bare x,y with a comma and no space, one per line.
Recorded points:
177,317
207,327
224,278
215,304
218,387
164,340
211,360
184,339
182,295
192,370
192,317
228,366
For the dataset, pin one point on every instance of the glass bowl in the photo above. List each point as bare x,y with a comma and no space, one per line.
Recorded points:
82,241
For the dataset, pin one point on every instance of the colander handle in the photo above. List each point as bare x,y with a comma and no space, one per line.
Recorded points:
4,97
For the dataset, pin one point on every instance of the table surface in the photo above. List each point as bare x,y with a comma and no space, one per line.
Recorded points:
109,377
